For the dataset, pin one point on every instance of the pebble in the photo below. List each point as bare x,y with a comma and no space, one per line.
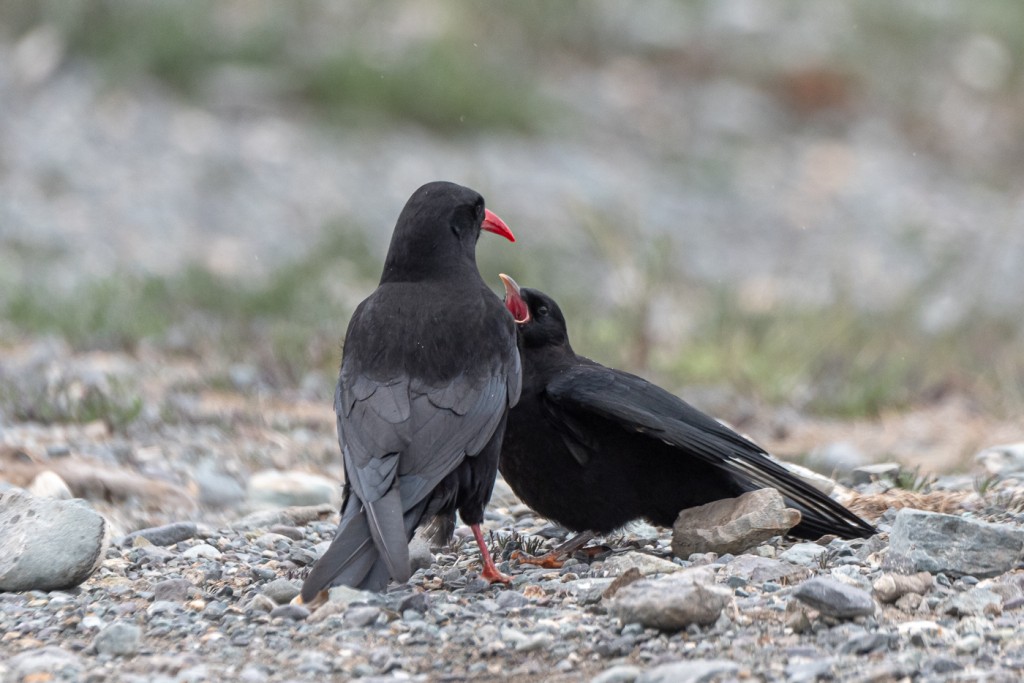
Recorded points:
732,525
622,673
120,639
835,599
281,591
803,553
172,590
48,544
689,671
201,551
644,563
672,602
48,484
165,535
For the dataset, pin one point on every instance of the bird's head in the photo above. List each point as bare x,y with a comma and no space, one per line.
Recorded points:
538,317
437,230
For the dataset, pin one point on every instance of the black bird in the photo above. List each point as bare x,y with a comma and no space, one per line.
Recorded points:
593,448
429,371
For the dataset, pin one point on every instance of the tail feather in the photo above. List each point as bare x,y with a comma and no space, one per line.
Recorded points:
348,560
388,530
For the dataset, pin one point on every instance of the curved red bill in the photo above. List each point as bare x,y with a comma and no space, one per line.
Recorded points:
494,224
514,300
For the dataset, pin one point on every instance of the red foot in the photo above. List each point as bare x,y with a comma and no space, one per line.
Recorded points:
550,560
490,572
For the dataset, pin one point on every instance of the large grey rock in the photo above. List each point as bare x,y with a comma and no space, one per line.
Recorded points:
48,544
273,488
672,602
689,671
934,542
732,525
835,598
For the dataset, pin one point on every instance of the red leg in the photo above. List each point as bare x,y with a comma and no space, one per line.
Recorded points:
490,572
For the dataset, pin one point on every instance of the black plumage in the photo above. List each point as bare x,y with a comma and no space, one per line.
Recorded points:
429,371
593,448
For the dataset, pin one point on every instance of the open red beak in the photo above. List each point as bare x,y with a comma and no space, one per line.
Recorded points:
514,300
494,224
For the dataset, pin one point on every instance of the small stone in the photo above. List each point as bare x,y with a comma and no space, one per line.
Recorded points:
290,516
261,603
755,569
969,644
175,590
803,553
834,598
689,671
622,673
165,535
346,595
48,544
867,474
290,612
732,525
890,587
120,639
934,542
281,591
975,602
292,532
361,616
672,602
48,484
273,488
511,599
1002,461
642,562
201,551
218,490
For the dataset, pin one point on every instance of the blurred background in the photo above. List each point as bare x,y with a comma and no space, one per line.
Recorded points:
807,210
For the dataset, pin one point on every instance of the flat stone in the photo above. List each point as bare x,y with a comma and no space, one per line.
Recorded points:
120,639
1002,461
974,602
934,542
834,598
290,612
757,569
689,671
48,544
173,590
891,587
803,553
290,516
203,551
732,525
671,602
346,595
274,488
165,535
646,564
621,673
281,591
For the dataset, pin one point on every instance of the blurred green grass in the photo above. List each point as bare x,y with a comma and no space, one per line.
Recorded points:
837,360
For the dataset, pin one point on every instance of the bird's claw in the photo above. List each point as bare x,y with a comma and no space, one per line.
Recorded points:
547,561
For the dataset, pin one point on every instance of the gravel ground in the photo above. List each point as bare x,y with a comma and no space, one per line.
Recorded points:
209,597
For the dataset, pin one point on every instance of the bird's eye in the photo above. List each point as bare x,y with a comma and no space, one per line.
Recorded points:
542,311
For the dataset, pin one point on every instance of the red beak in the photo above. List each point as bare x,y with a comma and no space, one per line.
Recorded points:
494,224
514,300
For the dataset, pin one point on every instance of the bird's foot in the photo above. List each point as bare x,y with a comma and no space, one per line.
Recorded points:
551,560
490,573
319,601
